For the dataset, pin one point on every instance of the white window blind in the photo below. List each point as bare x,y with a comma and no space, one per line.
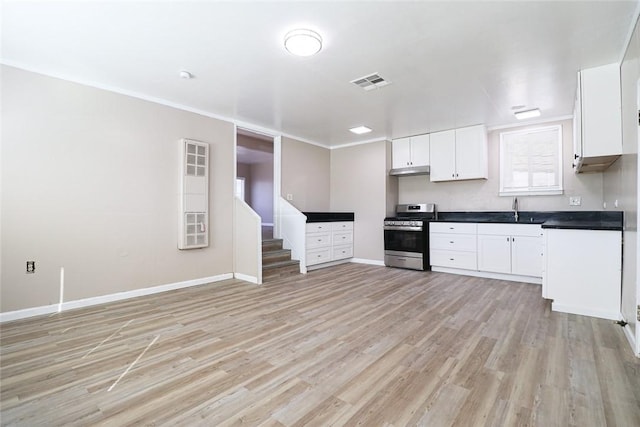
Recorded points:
531,162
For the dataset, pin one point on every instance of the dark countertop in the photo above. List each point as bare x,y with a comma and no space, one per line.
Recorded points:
328,216
576,220
584,225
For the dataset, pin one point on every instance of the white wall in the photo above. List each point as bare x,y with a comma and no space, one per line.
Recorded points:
482,195
262,190
90,183
360,183
305,175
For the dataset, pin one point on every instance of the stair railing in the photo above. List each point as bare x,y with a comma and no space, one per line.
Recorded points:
292,229
247,243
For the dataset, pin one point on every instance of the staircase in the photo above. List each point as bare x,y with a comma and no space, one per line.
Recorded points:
277,262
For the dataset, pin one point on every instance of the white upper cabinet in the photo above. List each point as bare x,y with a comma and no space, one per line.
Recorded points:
410,152
597,118
459,154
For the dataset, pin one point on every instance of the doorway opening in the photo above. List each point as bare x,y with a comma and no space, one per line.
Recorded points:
254,175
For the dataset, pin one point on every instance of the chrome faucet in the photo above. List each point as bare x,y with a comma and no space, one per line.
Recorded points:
514,207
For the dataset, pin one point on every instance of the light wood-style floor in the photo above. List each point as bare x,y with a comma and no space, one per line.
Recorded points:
348,345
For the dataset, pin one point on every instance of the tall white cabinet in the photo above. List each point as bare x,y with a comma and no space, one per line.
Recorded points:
597,134
459,154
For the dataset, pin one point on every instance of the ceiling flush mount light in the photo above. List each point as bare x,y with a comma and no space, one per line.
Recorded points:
360,130
303,42
521,115
185,75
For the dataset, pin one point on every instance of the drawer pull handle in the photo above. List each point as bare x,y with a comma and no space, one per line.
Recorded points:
450,241
451,259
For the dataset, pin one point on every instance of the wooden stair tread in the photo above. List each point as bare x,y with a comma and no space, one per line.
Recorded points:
280,264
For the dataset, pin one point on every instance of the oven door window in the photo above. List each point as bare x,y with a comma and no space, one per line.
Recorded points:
404,241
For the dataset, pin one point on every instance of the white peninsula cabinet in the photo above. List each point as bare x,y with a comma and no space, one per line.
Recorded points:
459,154
510,249
410,151
583,271
328,243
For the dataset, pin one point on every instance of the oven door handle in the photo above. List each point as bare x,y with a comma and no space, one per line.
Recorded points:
401,228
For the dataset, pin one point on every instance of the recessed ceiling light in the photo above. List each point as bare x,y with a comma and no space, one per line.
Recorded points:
185,74
521,115
303,42
360,130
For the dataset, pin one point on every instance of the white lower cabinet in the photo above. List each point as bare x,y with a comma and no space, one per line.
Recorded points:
453,245
487,249
510,249
583,271
328,241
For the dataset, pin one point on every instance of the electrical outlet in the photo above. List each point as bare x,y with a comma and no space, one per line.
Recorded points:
575,201
31,267
289,197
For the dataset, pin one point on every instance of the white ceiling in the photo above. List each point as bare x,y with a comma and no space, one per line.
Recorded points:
451,63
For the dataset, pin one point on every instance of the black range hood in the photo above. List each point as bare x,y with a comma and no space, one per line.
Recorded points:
410,171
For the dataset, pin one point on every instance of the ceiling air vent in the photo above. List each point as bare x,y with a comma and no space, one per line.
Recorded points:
372,81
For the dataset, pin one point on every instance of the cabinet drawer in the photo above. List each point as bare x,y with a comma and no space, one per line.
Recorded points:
533,230
318,256
342,237
453,242
342,226
317,227
454,259
453,227
342,252
317,240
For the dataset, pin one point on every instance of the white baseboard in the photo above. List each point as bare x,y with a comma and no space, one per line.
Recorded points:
86,302
246,278
367,261
632,340
488,275
563,308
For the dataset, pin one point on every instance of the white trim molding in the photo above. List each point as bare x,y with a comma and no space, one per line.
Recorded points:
367,261
87,302
246,278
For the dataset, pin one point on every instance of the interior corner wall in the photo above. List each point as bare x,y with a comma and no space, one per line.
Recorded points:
621,179
90,183
305,175
482,194
359,177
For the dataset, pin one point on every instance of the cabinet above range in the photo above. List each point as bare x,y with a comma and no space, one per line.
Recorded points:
452,155
410,156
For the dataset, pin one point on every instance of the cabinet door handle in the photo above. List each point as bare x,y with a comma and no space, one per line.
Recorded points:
507,239
450,241
575,156
453,175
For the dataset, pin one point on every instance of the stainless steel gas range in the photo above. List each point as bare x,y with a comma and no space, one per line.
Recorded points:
406,236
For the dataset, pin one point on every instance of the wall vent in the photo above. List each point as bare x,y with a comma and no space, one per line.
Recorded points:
370,82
